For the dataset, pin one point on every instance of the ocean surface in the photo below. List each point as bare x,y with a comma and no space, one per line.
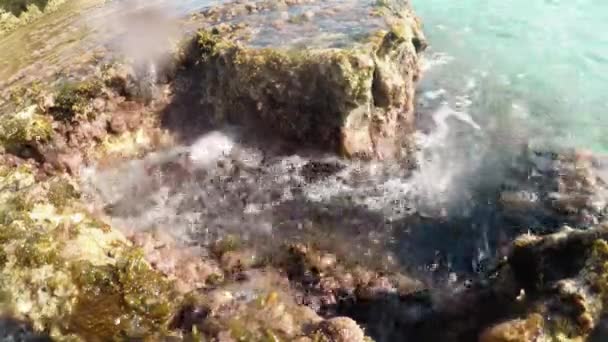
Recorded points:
532,69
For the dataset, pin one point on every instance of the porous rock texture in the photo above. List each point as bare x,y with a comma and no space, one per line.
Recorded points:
564,278
353,95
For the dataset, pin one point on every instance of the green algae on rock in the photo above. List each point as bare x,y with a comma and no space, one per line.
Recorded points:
67,273
563,276
355,97
76,99
261,309
26,128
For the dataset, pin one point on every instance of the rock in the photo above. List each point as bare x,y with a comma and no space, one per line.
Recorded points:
99,104
257,309
219,298
377,287
185,265
71,162
341,329
309,15
67,272
238,260
565,275
24,133
518,330
46,101
118,124
354,95
564,187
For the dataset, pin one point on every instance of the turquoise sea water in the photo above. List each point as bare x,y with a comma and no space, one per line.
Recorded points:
535,65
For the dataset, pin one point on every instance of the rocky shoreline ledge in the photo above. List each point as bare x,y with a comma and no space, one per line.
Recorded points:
78,264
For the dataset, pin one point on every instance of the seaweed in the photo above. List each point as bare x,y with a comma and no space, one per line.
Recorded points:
74,99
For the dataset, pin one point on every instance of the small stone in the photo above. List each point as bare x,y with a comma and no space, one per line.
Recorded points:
342,329
278,24
308,15
118,124
233,260
517,330
72,162
46,102
218,298
327,261
99,104
303,339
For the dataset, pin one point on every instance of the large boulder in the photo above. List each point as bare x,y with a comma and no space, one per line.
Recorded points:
331,74
561,281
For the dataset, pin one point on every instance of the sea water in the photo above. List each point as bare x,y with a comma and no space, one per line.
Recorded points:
539,67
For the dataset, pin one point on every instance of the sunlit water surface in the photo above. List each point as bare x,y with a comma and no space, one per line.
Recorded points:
544,62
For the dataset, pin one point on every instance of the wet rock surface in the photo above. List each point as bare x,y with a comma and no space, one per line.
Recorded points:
288,204
13,330
356,98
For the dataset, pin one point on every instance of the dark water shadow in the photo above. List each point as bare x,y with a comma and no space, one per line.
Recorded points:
12,330
466,244
185,115
188,118
422,316
354,233
481,224
600,333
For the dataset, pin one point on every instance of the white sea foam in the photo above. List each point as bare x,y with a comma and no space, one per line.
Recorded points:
210,147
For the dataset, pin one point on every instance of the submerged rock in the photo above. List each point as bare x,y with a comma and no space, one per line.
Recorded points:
545,190
352,94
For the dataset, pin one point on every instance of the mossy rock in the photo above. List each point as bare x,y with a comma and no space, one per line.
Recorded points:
124,300
352,94
70,275
74,100
26,128
565,275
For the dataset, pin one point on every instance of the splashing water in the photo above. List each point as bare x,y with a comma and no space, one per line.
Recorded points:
473,120
219,185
